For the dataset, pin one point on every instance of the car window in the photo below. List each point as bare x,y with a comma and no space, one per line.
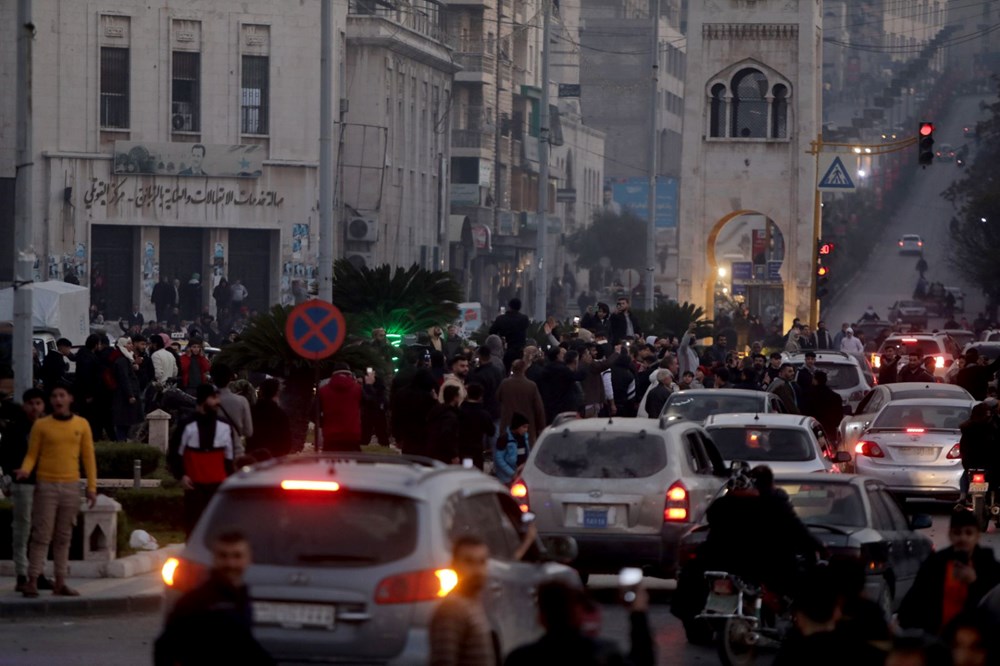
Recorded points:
480,515
776,404
335,529
881,519
907,346
868,403
826,503
699,406
928,417
896,516
824,443
840,375
601,455
697,456
929,393
777,444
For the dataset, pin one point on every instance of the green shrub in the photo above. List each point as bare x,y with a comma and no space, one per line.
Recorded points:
162,506
115,459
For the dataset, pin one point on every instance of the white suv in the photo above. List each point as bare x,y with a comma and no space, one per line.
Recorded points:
911,244
939,345
849,375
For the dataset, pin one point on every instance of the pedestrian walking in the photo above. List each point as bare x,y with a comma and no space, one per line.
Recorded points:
888,368
410,404
213,623
512,449
125,408
518,394
15,428
476,427
234,409
222,295
194,366
57,447
272,429
914,371
460,633
201,454
850,344
190,298
374,404
340,410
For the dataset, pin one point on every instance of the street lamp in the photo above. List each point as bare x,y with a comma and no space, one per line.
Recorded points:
722,272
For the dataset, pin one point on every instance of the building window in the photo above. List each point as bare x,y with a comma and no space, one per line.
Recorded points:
749,105
779,112
114,87
255,92
717,120
185,105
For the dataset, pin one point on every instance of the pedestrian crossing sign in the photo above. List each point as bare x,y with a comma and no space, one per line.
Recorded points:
835,177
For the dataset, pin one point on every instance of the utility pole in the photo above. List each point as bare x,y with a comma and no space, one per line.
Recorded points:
24,254
541,276
326,226
654,140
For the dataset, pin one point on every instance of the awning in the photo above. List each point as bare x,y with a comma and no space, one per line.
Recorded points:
460,230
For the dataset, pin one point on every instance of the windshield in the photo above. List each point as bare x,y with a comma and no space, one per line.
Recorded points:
336,529
699,406
826,503
928,417
601,455
777,444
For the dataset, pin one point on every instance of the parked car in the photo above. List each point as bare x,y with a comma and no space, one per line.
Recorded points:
850,375
939,345
854,424
912,446
912,313
698,404
787,443
911,244
853,517
351,552
626,490
946,153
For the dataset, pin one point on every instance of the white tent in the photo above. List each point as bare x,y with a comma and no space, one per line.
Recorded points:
54,304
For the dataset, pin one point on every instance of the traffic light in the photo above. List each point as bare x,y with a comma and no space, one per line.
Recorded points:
925,144
825,248
822,279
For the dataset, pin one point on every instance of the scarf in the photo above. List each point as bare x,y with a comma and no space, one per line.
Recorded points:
122,345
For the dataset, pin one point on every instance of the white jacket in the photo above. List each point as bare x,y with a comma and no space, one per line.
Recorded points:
851,345
164,365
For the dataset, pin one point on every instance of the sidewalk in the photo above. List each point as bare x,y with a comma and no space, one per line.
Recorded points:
139,594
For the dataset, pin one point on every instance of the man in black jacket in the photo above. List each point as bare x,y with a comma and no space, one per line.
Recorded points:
888,367
951,580
975,376
623,322
914,371
512,326
557,383
212,624
443,426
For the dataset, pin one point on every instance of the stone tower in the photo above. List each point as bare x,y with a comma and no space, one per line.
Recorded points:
752,107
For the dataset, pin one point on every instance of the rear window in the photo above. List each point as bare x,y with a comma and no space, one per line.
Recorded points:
840,375
699,407
929,417
776,444
601,455
316,528
911,238
921,347
928,393
826,503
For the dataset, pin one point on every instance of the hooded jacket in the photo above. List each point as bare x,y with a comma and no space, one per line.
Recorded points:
340,403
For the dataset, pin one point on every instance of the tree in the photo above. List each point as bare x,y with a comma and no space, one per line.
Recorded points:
975,230
673,318
621,239
400,300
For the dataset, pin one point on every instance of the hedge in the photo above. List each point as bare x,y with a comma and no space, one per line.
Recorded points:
163,506
115,460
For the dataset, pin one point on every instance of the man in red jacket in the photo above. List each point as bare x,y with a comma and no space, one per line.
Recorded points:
194,367
340,410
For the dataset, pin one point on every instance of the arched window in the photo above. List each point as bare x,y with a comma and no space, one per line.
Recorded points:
779,112
749,105
717,120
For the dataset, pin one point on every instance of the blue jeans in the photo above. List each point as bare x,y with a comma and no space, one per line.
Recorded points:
22,498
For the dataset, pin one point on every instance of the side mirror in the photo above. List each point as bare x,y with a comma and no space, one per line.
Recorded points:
920,521
842,457
561,549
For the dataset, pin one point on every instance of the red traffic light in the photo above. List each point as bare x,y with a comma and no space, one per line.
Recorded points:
826,248
926,129
822,271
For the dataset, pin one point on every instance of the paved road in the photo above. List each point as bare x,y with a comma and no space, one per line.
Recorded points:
889,276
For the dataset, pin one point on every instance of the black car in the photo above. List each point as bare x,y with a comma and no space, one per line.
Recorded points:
854,516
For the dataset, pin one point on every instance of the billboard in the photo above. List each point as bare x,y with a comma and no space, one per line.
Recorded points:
633,194
196,160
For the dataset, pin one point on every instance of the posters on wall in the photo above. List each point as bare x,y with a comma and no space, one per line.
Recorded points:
198,160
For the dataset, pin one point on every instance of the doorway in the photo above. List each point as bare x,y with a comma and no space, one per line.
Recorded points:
250,262
112,269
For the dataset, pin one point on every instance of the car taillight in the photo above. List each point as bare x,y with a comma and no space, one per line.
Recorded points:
900,243
921,243
519,491
955,453
182,575
678,504
876,361
915,431
979,478
939,361
723,586
319,486
868,449
407,588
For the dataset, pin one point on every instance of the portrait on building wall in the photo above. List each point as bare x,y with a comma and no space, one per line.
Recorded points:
195,160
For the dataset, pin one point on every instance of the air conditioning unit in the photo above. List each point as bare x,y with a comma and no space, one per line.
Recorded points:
182,122
361,259
362,229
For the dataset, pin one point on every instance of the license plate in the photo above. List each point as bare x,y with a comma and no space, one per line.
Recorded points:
979,487
595,518
917,451
721,604
293,616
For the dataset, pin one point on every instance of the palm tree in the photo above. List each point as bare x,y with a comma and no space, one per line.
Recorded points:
674,318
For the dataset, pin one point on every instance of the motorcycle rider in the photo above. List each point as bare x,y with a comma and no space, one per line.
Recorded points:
979,446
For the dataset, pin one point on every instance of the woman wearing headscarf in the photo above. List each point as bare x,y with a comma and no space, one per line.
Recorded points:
495,345
125,407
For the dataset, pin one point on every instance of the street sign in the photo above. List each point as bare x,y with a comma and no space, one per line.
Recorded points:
835,176
569,90
315,330
742,270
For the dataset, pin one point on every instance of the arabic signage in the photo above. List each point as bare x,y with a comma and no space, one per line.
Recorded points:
632,194
131,192
195,160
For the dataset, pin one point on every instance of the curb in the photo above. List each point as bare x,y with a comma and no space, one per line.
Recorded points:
46,607
123,567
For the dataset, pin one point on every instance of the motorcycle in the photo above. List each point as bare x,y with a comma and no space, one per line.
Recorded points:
982,499
746,618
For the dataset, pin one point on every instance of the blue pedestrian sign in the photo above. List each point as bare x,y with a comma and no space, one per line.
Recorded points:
315,329
835,177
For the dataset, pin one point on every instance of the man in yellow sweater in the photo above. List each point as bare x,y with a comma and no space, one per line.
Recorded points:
57,445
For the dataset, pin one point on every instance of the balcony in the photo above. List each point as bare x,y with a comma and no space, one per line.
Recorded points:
472,138
418,21
477,58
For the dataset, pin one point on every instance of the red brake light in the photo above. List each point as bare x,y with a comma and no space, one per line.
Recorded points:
915,430
955,453
406,588
910,340
182,575
677,507
900,243
519,491
325,486
979,478
868,449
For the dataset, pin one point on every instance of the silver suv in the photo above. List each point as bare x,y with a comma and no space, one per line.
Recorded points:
626,490
351,552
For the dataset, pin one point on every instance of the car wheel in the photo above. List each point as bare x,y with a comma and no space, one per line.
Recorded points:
698,632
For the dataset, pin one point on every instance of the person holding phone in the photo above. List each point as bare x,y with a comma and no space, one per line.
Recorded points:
951,580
